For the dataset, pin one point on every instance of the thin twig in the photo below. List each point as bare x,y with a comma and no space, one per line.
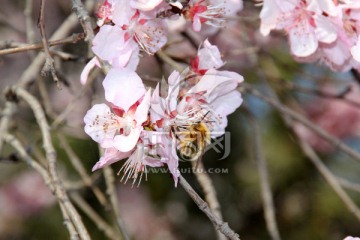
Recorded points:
30,74
96,218
49,62
303,120
7,113
266,193
20,47
330,178
15,143
84,18
111,191
67,222
349,185
79,167
209,191
218,224
61,117
164,57
30,34
289,117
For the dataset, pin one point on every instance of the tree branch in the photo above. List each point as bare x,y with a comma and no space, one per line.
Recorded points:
223,227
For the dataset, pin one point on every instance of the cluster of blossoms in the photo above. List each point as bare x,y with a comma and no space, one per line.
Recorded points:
318,30
128,26
149,128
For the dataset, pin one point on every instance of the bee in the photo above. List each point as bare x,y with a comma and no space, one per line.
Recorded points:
193,139
192,145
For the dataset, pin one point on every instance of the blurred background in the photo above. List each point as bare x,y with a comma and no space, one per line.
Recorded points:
306,206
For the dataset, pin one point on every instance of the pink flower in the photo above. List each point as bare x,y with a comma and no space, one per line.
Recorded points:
118,128
344,53
150,34
208,102
305,21
208,57
110,45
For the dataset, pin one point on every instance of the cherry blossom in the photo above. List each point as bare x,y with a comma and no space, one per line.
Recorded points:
305,22
343,53
209,102
110,45
118,129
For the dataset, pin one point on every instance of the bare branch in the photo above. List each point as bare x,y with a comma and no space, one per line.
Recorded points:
20,47
300,118
111,191
266,193
209,191
96,218
7,113
30,74
79,167
84,18
291,116
219,224
74,235
49,61
59,190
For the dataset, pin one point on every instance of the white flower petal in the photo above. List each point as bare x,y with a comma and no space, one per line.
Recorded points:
101,123
123,88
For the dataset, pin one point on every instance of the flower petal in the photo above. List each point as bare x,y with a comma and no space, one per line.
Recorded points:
123,13
174,82
355,51
216,83
325,30
144,5
126,143
303,41
123,88
141,114
224,106
110,156
88,67
209,57
157,107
